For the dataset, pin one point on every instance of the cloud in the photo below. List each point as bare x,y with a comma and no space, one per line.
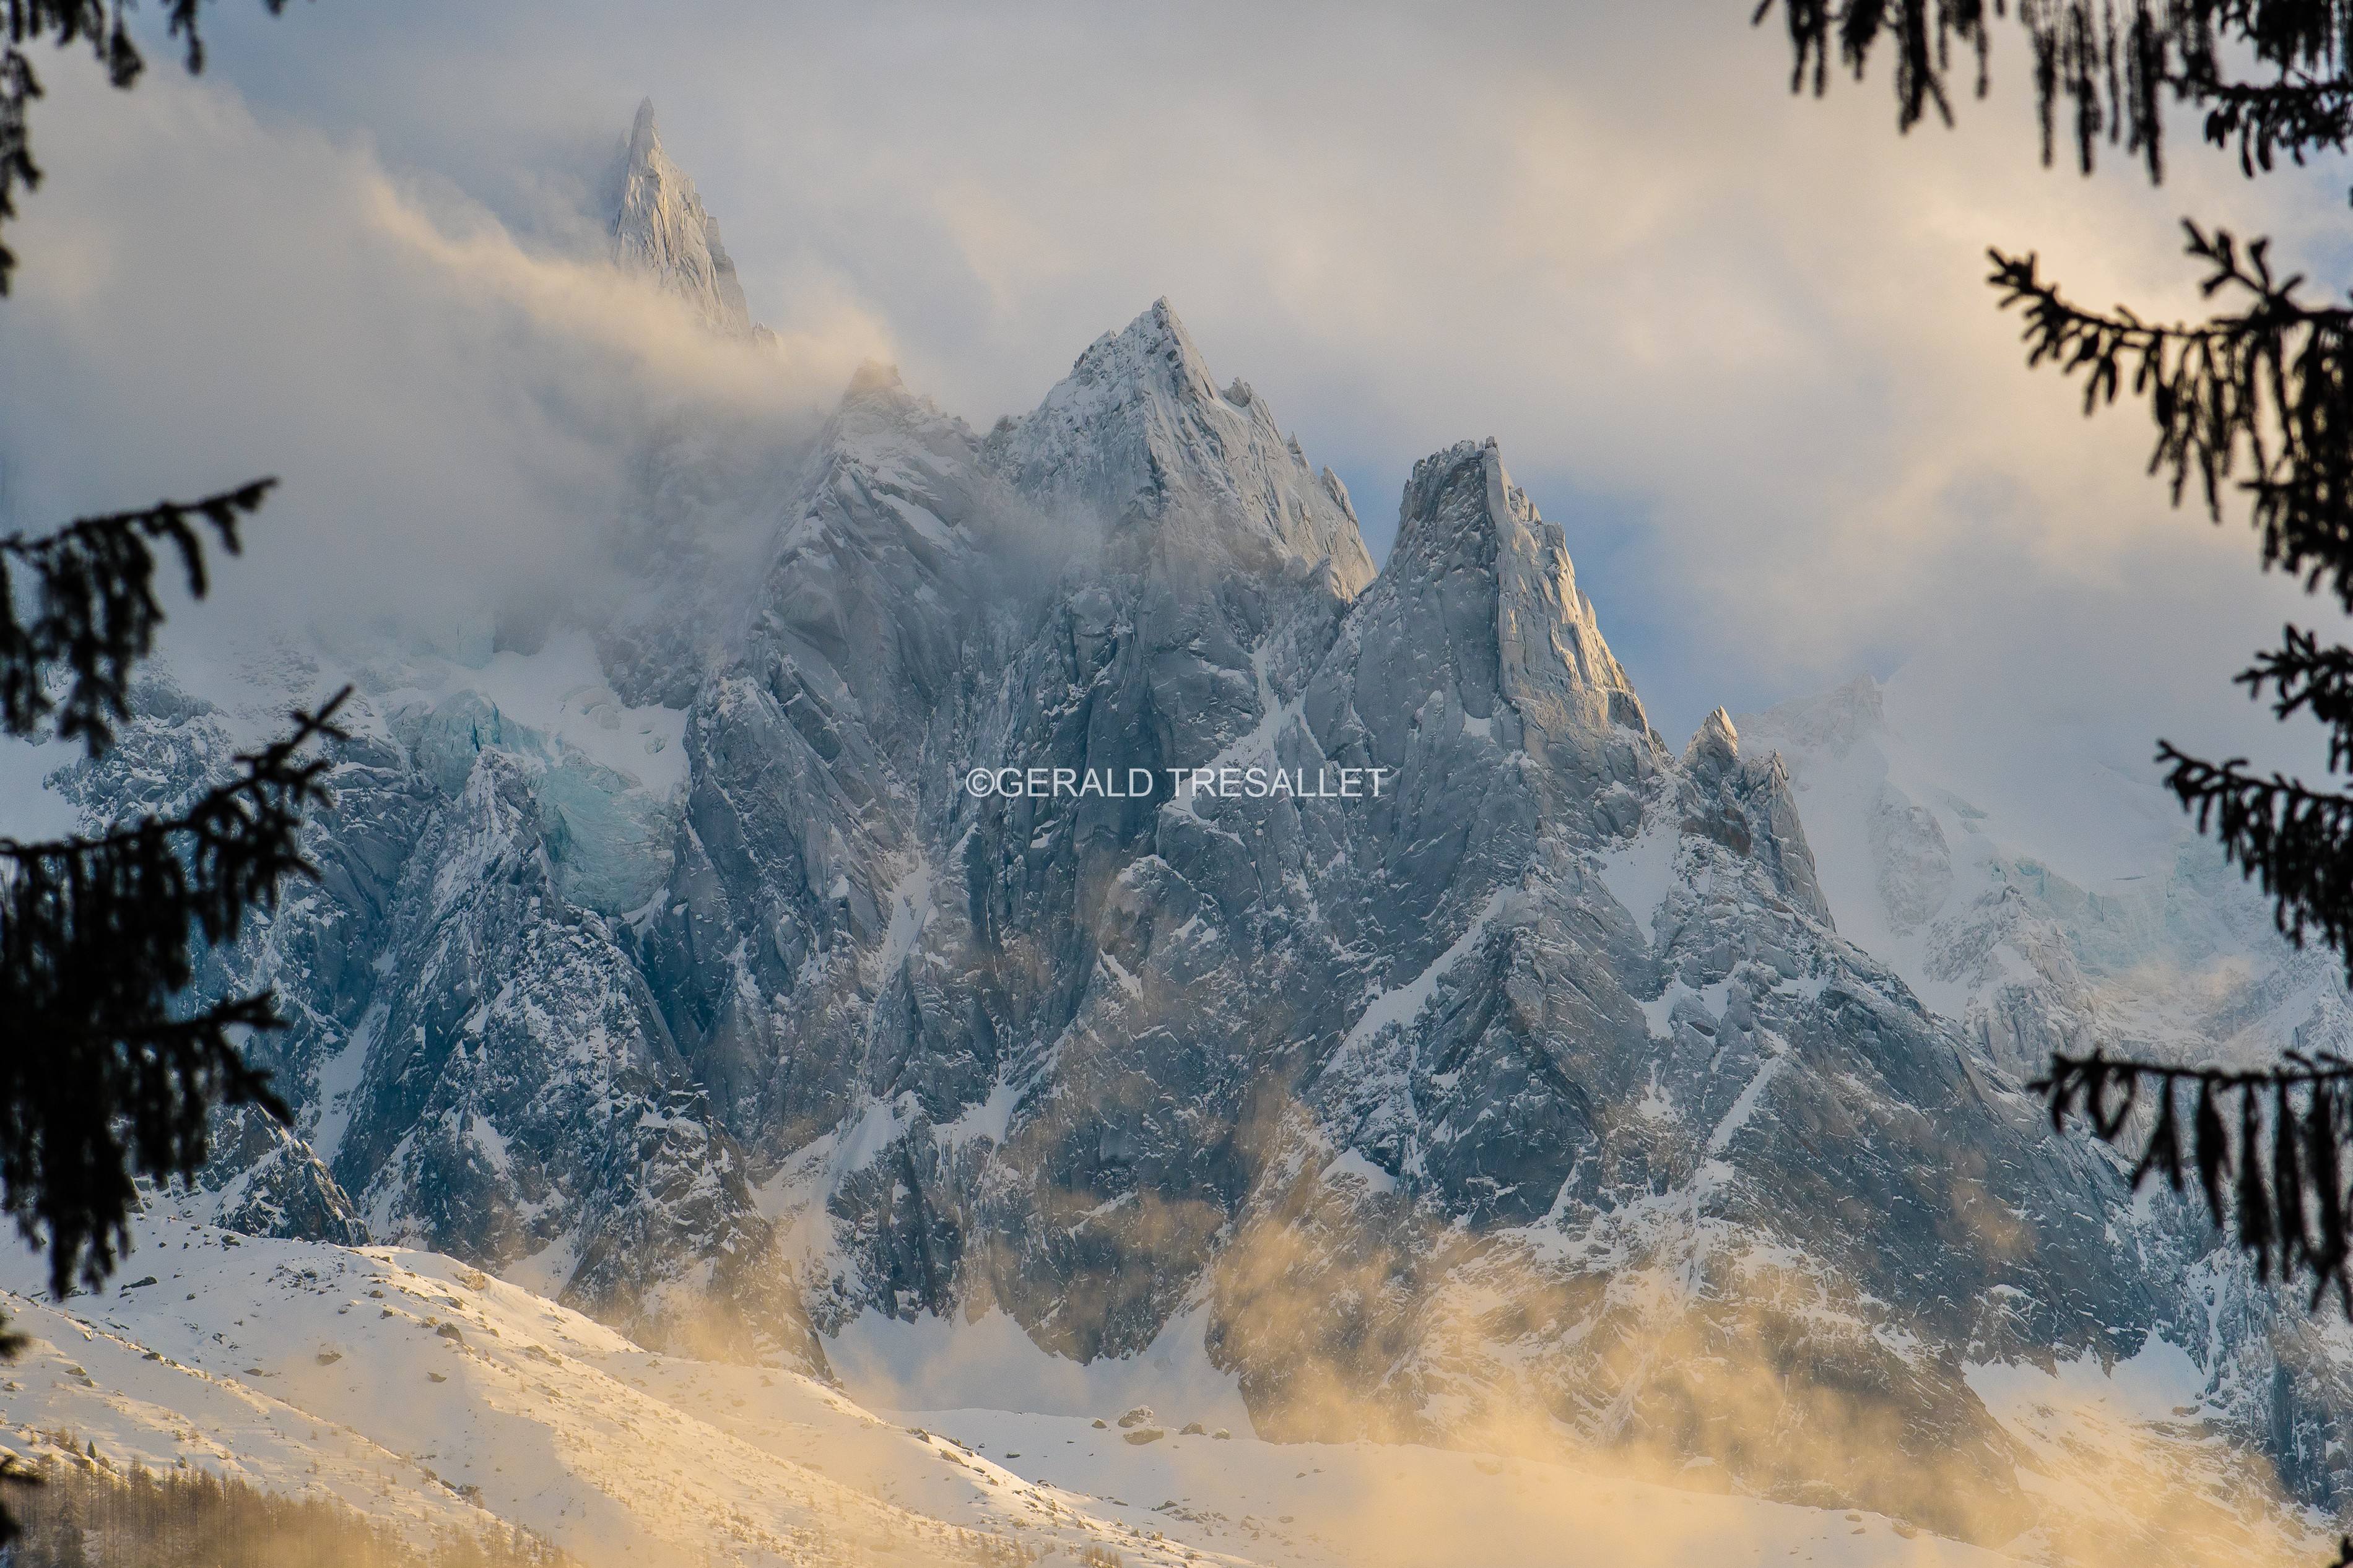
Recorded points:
455,415
1744,339
1738,344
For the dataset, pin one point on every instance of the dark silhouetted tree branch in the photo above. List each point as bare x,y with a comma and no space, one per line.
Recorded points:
2254,402
105,1078
2108,68
2266,1148
97,939
106,1072
97,610
2259,400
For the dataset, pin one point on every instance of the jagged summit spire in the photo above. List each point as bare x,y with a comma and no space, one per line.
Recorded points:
1461,506
1158,326
1715,744
1139,432
1154,349
660,230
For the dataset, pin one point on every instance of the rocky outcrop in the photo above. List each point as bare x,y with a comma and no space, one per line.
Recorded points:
263,1179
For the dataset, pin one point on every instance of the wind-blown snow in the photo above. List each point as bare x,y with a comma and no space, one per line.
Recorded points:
935,1363
435,1398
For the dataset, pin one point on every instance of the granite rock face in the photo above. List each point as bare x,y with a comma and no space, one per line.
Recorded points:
1525,1077
662,231
264,1179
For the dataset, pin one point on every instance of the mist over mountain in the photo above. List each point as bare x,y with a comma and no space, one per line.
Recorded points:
1429,1047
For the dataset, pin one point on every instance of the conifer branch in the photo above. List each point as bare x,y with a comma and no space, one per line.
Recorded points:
2296,842
2110,66
101,1076
2313,679
2266,393
2271,1168
2295,115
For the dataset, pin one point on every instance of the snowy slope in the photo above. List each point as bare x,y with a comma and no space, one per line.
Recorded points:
424,1392
1377,1505
409,1385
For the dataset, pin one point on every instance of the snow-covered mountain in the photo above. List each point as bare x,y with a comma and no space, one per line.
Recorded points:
1529,1089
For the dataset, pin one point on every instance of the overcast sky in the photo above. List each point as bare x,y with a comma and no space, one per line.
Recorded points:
1738,344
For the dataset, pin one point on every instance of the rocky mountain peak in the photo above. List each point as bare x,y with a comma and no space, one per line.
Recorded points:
661,230
645,138
1461,508
1715,744
1139,433
1477,997
891,435
877,410
1157,342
